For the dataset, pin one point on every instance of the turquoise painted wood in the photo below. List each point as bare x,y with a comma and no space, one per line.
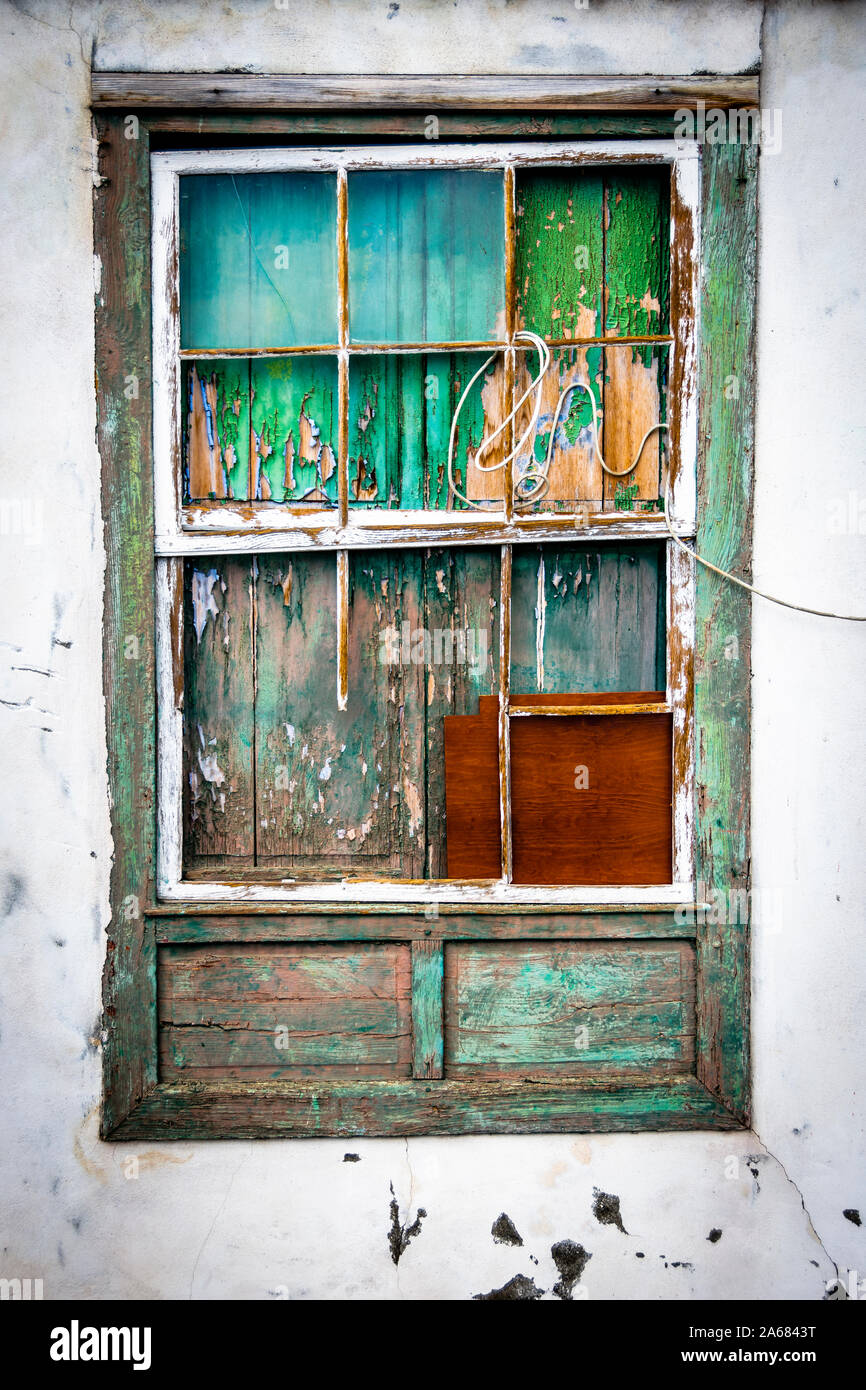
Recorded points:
427,1008
426,256
258,260
216,434
261,1012
295,429
570,1007
400,411
587,618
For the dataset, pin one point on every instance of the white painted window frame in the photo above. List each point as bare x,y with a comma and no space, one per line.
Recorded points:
186,531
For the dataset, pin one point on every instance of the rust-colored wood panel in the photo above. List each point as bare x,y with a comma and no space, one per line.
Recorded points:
264,1011
472,795
471,790
461,605
591,799
569,1008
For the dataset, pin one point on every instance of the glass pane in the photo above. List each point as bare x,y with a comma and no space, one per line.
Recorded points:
258,260
261,430
629,383
587,618
400,409
426,256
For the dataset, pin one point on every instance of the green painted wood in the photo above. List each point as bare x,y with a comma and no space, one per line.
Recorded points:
559,254
411,1108
338,791
216,435
124,425
251,273
404,922
265,1011
426,256
568,1008
285,973
295,424
427,1008
637,252
587,618
400,412
218,712
722,693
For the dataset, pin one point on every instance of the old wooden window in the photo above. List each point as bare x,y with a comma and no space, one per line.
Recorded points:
411,666
425,853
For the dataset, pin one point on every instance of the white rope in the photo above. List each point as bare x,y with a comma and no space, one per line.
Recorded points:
544,362
538,475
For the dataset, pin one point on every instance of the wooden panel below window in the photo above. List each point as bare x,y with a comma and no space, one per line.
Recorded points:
568,1009
263,1011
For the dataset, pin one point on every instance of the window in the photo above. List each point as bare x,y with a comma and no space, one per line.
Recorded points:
425,851
402,670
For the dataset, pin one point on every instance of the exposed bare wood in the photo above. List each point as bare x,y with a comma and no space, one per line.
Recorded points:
564,709
254,91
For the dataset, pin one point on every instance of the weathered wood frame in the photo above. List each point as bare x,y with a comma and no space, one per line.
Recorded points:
183,530
136,1105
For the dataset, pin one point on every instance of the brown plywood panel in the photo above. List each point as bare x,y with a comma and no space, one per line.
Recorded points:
592,799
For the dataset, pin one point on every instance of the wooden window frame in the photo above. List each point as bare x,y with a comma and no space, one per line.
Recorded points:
715,812
186,530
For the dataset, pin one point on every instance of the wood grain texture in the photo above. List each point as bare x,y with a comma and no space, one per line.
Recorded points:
426,256
294,430
240,922
461,603
620,822
575,476
216,436
537,1009
592,799
290,92
339,790
722,695
261,1011
587,618
427,1008
251,276
124,424
219,602
414,1108
635,399
400,412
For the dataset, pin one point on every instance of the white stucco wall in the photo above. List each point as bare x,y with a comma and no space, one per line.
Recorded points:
256,1220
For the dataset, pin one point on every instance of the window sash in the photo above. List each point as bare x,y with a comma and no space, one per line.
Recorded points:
245,528
189,528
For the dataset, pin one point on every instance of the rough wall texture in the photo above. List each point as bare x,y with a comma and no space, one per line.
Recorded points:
295,1219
